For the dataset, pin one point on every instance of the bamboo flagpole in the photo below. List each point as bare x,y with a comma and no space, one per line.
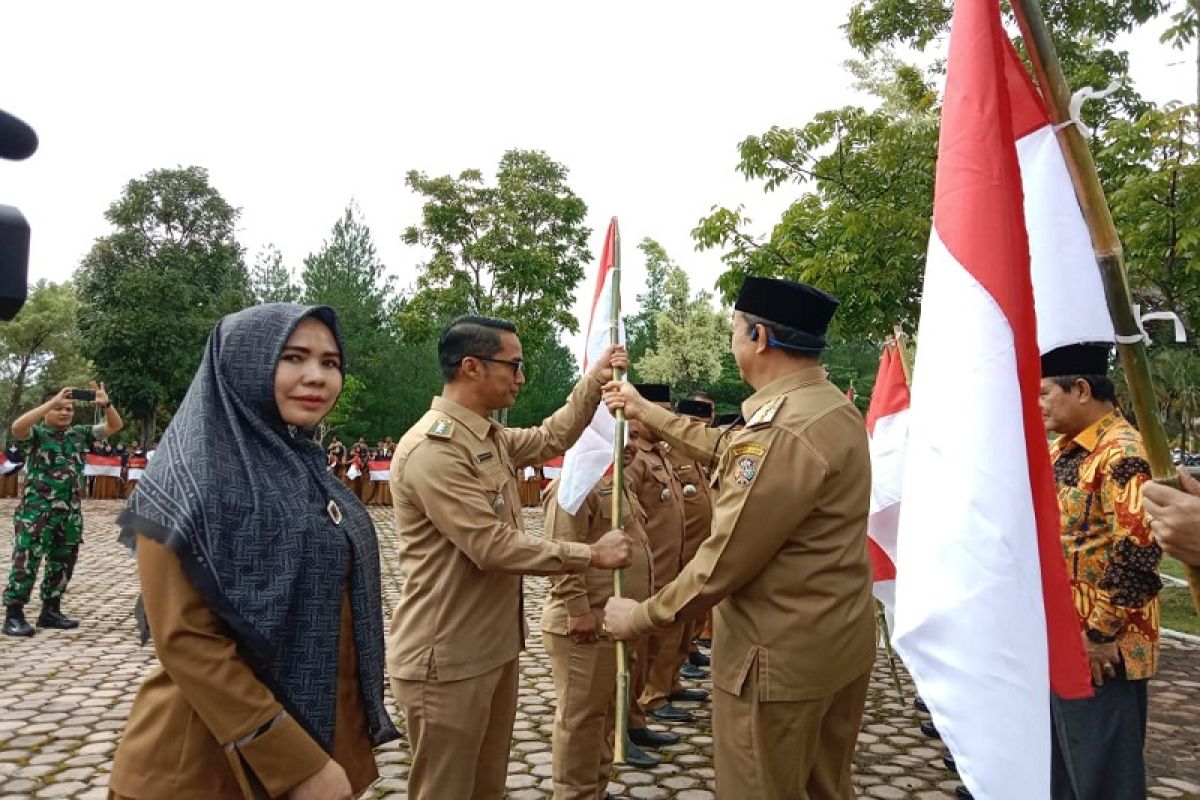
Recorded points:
621,727
1110,257
881,612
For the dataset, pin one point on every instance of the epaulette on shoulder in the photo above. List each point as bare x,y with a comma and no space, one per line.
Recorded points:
441,429
766,412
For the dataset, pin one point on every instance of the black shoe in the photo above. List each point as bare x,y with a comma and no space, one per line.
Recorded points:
707,643
698,659
692,673
14,622
948,760
637,757
929,730
644,737
919,705
670,713
688,696
52,617
963,793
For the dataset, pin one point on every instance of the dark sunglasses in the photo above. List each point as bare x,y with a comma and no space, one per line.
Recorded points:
517,364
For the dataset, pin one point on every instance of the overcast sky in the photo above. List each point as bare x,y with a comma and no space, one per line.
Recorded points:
297,108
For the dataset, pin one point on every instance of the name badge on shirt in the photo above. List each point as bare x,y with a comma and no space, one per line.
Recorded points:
485,456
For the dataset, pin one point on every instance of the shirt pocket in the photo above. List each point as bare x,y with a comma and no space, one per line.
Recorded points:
496,479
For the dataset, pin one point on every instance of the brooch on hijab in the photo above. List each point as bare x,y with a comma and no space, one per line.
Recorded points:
335,513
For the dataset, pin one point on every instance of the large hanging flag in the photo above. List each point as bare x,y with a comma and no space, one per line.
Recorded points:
984,617
887,427
590,457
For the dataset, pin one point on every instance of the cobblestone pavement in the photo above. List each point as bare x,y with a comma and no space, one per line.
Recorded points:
66,694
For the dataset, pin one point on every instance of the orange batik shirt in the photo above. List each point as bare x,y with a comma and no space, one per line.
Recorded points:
1112,559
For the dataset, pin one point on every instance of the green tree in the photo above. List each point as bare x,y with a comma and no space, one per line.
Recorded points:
861,228
270,280
513,249
641,330
690,336
346,409
551,374
1153,189
399,376
41,339
150,292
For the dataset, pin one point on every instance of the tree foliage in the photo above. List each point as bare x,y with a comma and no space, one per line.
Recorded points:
150,292
399,376
513,249
861,228
270,280
689,336
641,331
40,343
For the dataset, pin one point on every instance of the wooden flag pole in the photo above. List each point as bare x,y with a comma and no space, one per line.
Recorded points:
1110,257
880,611
621,726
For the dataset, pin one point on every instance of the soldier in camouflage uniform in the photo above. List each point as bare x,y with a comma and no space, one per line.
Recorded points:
49,519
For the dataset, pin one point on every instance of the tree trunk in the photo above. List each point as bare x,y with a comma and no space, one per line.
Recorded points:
14,401
148,432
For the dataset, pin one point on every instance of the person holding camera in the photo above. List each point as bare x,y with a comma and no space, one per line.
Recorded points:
49,519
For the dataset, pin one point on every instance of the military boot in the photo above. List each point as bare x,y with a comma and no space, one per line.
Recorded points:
14,622
52,617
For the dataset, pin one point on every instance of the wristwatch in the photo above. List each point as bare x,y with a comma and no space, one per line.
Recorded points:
1099,638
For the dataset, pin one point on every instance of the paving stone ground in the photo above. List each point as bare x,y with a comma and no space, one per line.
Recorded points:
64,697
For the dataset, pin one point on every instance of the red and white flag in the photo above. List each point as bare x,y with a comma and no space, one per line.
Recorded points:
590,457
887,427
984,617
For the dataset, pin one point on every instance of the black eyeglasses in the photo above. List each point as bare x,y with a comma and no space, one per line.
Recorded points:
517,364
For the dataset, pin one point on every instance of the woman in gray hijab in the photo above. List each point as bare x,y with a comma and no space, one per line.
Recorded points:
260,582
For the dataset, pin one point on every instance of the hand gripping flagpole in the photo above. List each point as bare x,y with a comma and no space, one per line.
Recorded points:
1110,257
621,726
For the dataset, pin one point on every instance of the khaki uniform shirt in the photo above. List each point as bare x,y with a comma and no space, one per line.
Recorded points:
693,480
463,547
787,558
658,492
578,593
196,729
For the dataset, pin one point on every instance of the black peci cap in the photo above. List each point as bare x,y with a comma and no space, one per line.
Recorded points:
725,420
694,408
1090,358
654,392
799,306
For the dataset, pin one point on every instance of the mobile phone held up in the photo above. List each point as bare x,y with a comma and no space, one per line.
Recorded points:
86,395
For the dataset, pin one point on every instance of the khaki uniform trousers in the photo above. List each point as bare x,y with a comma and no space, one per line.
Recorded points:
585,689
638,668
666,654
459,733
786,750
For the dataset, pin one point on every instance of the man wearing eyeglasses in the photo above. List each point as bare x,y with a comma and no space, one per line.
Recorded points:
460,625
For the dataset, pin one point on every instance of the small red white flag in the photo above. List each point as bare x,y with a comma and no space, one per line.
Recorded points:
887,427
590,457
984,617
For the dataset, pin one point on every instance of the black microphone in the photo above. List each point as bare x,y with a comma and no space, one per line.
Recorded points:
17,140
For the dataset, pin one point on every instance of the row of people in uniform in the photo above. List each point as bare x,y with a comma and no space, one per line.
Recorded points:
267,619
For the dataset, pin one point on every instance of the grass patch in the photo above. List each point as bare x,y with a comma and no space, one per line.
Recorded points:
1177,610
1173,567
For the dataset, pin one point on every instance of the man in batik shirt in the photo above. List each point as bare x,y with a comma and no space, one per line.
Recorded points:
1100,467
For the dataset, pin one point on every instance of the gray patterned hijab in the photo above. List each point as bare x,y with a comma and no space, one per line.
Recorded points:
247,504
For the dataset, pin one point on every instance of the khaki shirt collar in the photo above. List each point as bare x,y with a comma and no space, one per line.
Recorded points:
793,380
476,424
